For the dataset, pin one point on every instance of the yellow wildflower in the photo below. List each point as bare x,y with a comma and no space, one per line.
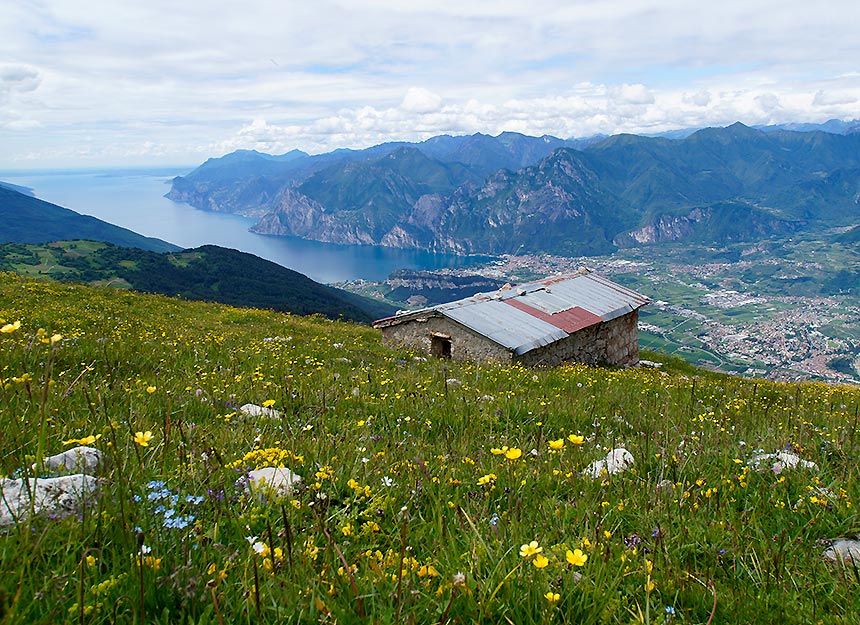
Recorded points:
513,453
143,438
530,549
558,444
486,479
86,440
268,403
152,562
150,389
540,561
10,327
552,597
576,439
576,557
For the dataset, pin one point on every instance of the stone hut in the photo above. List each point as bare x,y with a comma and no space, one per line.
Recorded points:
581,317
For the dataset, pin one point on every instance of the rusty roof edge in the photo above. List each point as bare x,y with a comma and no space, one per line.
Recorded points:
620,289
404,316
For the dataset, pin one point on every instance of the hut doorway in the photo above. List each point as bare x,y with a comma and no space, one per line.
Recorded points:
440,345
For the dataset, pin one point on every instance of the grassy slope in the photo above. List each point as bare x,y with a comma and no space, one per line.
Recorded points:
25,219
208,273
403,479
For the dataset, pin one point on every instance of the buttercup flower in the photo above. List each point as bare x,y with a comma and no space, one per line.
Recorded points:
513,454
540,561
86,440
530,549
576,557
576,439
559,444
486,479
143,438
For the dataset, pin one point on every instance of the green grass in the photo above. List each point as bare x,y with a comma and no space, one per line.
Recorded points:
404,485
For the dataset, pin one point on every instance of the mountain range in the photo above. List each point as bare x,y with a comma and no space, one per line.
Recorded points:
514,193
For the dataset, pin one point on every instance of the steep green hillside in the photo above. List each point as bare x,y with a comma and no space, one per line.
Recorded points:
208,273
432,492
26,219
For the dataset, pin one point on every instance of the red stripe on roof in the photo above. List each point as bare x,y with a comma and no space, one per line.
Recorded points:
570,320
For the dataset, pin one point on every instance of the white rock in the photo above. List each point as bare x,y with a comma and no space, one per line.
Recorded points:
80,459
253,410
273,480
780,461
616,461
53,495
282,339
666,487
845,550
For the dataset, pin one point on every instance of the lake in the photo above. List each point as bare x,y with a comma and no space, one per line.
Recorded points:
134,199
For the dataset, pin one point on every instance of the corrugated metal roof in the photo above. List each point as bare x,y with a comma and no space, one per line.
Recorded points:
537,313
570,320
517,330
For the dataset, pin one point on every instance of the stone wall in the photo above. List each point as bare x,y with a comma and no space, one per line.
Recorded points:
614,342
465,343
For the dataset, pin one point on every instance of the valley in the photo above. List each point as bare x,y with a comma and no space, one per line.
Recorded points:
777,309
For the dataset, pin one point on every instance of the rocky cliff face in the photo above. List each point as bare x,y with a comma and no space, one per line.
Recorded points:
251,198
720,223
664,229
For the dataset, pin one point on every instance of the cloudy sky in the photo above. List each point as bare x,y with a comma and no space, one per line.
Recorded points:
151,82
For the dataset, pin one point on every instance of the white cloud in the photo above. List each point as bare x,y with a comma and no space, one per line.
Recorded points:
769,102
700,98
420,100
830,98
633,94
334,73
17,79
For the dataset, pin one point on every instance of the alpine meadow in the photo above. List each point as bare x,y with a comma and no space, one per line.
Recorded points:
430,491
